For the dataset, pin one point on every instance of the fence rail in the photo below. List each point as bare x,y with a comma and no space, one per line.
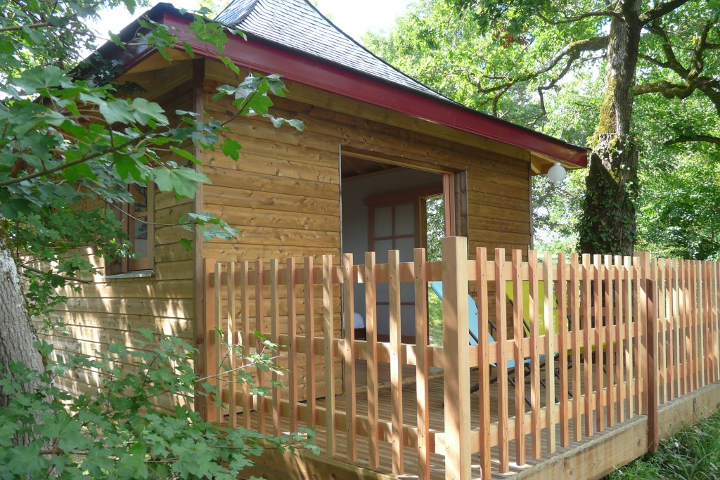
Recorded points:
615,337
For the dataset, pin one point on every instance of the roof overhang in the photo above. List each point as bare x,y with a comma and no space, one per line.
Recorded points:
265,57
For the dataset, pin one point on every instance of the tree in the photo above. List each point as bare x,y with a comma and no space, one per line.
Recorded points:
523,51
72,136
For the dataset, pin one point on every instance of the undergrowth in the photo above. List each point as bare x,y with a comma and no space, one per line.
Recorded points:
692,454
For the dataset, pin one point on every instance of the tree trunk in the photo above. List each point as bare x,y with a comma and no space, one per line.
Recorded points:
608,221
17,335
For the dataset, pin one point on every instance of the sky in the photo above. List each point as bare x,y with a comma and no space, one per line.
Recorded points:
354,17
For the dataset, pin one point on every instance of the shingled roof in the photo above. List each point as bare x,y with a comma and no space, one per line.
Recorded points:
293,39
298,25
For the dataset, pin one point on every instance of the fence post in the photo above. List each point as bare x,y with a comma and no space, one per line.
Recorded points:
206,362
456,362
648,265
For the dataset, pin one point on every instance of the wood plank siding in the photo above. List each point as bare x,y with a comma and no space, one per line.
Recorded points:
113,310
284,192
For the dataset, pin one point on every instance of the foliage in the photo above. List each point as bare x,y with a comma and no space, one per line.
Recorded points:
542,64
692,454
74,139
121,433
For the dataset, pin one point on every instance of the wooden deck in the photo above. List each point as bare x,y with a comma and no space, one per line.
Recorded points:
436,386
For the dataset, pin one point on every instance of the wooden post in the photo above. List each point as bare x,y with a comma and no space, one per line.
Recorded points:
456,361
502,360
260,328
310,338
575,342
275,338
329,341
483,361
561,294
421,371
587,341
628,273
292,345
372,359
599,349
396,407
203,337
245,336
216,337
231,341
619,357
609,341
648,265
519,333
549,320
535,426
349,312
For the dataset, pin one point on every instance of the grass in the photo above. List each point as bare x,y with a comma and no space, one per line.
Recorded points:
693,453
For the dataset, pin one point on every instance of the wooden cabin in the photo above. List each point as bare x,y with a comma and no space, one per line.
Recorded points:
376,146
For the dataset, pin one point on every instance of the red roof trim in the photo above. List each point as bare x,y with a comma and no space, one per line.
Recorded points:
266,58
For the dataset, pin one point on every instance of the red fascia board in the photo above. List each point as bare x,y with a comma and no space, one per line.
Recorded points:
266,58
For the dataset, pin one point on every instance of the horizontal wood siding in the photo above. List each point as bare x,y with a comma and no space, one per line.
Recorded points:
113,310
284,191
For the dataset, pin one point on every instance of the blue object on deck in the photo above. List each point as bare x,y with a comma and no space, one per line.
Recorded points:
473,322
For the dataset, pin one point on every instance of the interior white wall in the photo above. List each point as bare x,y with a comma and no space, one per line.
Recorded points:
355,233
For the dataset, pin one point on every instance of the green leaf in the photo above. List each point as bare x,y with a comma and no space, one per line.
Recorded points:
16,208
231,148
145,110
76,172
186,155
117,111
183,181
229,63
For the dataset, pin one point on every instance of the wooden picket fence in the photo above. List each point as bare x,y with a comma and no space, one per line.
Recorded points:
633,333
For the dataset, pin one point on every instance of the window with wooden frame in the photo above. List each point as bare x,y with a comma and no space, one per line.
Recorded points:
137,223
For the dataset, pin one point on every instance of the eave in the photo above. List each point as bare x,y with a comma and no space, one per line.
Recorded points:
258,55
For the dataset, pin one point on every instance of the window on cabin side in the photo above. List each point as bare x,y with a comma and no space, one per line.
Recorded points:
137,224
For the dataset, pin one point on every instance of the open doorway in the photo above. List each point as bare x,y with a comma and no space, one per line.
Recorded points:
388,205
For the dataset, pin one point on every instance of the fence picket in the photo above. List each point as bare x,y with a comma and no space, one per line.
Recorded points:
534,355
619,331
309,337
716,318
660,318
292,345
576,341
421,369
502,356
549,319
247,400
218,314
395,362
260,328
638,382
587,320
609,340
274,337
519,331
231,342
599,340
484,362
349,374
561,295
327,302
653,325
629,359
372,362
